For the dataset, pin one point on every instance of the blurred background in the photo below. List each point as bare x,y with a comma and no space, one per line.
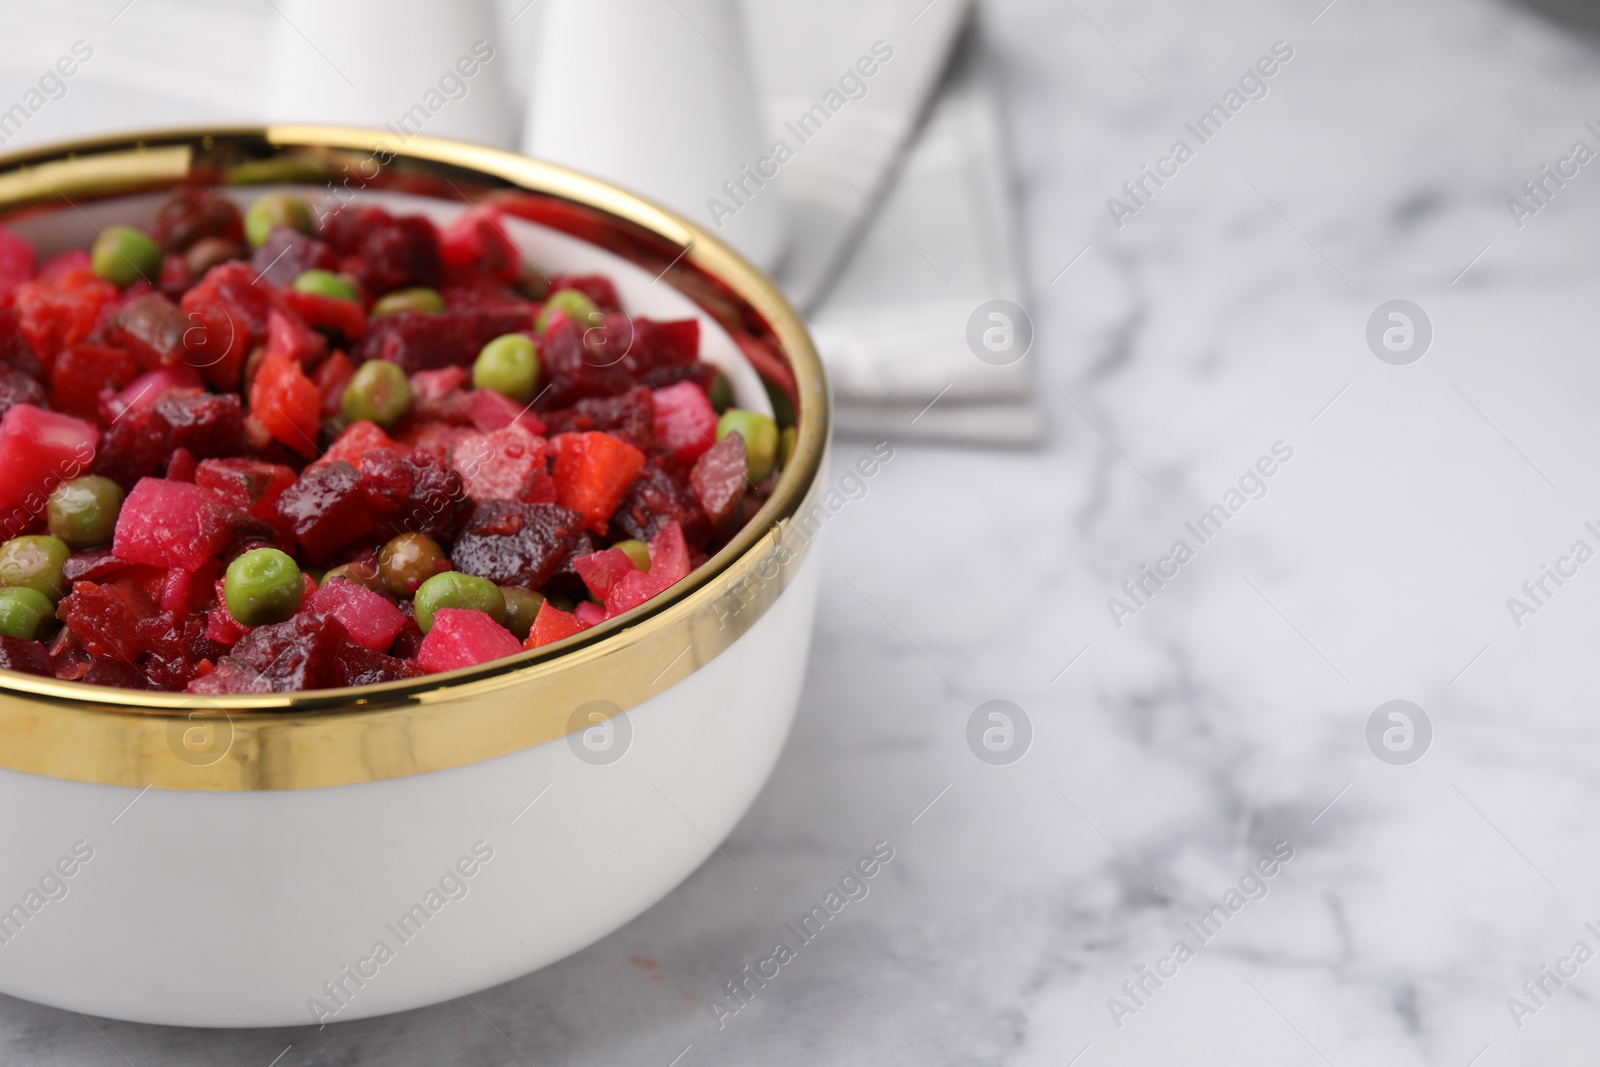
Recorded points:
1306,287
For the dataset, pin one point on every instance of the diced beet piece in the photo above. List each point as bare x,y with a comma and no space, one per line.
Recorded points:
69,660
516,544
602,570
16,351
409,641
572,371
505,465
288,253
434,438
106,617
400,253
115,674
217,343
327,509
702,374
59,309
490,411
331,377
192,213
83,371
566,577
685,422
630,417
655,498
359,439
152,328
22,655
592,472
71,263
38,450
227,312
176,643
176,590
251,485
590,614
657,345
669,564
173,524
92,566
596,287
222,627
345,227
290,334
236,286
719,479
301,653
18,388
362,666
419,341
463,638
16,265
476,241
209,425
180,466
432,385
550,625
412,492
283,400
371,618
135,447
230,676
152,387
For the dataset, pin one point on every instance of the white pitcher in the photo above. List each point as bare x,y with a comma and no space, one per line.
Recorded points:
431,67
659,96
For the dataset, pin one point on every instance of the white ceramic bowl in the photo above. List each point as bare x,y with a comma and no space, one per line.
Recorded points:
264,861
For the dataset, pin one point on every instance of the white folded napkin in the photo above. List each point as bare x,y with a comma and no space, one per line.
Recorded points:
903,327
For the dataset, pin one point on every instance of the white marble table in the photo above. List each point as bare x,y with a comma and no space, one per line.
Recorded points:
1229,713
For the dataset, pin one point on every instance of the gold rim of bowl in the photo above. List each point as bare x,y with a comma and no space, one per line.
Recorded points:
346,736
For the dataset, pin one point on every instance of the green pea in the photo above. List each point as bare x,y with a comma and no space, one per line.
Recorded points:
452,589
721,393
760,439
34,562
263,586
379,391
122,255
274,210
325,283
83,512
26,613
574,303
522,606
786,442
508,365
422,300
637,551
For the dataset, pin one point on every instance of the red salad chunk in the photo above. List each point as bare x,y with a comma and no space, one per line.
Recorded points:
464,639
38,450
371,619
235,443
172,524
16,265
